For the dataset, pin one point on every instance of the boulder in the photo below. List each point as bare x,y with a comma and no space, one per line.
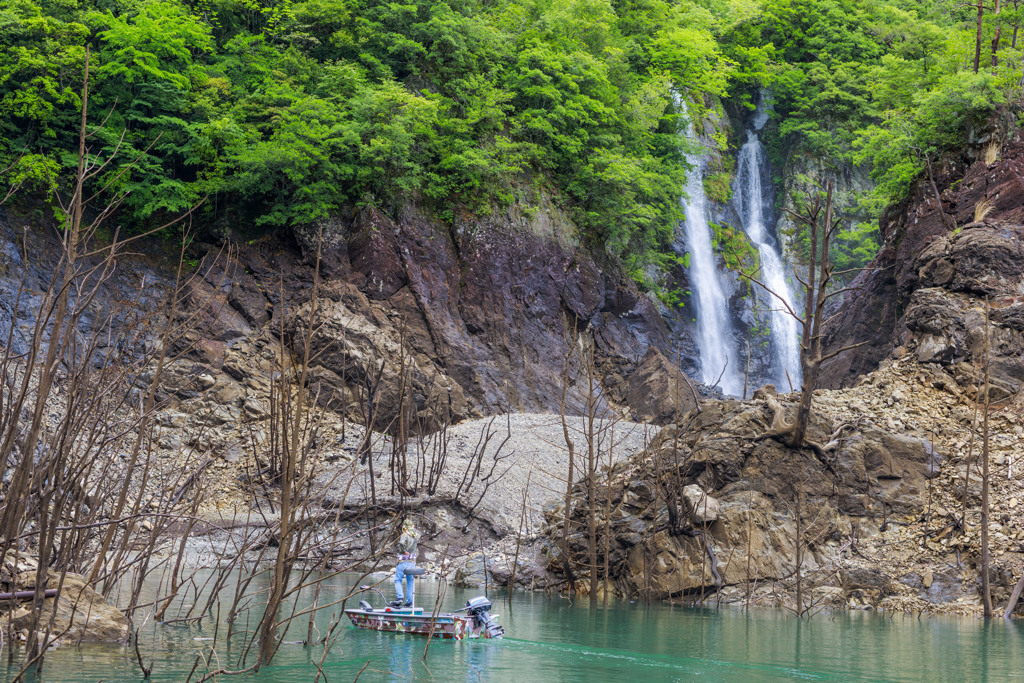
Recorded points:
702,507
658,391
867,586
82,615
471,574
741,493
668,566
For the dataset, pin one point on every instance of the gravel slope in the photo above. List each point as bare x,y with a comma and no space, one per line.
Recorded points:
515,454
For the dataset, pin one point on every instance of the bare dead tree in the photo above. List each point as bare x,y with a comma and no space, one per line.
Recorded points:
821,225
295,431
608,517
749,548
69,404
1014,597
590,407
986,591
83,490
569,476
519,537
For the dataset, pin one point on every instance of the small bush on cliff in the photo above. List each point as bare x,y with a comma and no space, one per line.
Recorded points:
735,248
718,187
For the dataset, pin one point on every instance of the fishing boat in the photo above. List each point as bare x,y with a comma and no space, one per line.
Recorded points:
472,621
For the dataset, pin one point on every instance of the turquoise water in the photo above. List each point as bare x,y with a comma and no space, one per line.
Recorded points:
549,639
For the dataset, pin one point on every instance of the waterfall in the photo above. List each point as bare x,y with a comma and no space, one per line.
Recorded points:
754,207
714,331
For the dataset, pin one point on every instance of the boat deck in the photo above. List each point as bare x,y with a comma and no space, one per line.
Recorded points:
415,621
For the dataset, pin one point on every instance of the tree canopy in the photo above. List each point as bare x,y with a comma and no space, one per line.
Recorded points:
285,110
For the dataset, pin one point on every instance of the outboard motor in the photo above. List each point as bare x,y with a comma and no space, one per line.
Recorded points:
479,608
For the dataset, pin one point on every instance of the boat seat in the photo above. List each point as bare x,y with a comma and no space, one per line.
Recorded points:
415,571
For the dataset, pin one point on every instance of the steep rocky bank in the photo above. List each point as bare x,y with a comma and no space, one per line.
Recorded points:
481,314
888,523
879,525
439,323
925,292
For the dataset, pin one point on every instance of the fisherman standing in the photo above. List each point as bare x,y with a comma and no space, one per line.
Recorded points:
407,543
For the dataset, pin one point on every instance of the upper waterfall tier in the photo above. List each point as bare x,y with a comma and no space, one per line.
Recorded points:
754,206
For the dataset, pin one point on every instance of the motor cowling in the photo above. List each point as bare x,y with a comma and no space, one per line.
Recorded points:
479,608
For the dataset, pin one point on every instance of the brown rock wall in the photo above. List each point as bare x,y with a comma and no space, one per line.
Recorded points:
927,287
486,312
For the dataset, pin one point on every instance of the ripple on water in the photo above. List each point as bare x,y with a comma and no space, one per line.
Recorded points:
551,640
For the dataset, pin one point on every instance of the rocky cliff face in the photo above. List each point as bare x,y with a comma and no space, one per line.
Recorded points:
451,322
482,315
925,293
713,507
761,495
485,312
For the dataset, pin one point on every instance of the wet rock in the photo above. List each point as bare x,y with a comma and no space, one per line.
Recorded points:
669,566
935,587
471,574
630,530
868,585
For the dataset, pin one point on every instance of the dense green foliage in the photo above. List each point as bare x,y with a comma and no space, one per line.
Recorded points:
282,111
886,83
880,80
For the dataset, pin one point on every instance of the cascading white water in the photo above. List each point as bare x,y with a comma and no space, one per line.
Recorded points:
714,332
751,205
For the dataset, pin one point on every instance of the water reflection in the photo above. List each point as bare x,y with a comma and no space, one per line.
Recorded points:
552,639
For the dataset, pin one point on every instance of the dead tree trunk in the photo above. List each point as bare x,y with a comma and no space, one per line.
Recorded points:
293,437
591,474
995,40
986,592
570,446
821,224
1014,597
977,37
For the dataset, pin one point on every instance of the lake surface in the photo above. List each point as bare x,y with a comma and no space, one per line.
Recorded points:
549,639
